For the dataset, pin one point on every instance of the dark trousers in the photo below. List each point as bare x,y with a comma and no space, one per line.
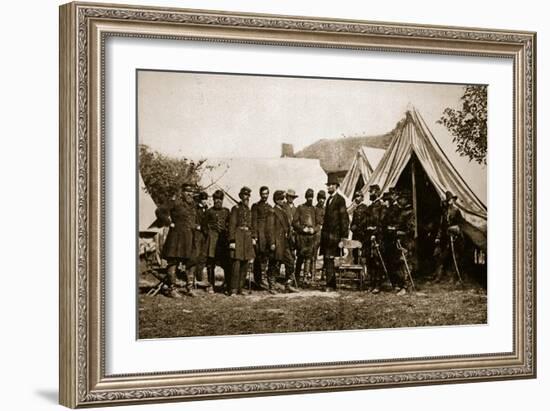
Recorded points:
261,267
330,271
288,261
211,264
172,271
392,259
238,275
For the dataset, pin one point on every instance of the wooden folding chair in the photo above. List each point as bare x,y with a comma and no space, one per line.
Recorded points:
346,264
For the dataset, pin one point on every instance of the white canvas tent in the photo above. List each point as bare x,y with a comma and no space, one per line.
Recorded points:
146,207
150,238
414,145
230,174
365,162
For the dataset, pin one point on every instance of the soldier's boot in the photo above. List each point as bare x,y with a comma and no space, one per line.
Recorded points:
307,272
438,273
297,271
264,280
190,282
211,279
169,281
330,274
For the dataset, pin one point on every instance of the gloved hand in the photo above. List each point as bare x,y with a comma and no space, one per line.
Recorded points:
172,225
253,241
231,246
272,247
437,240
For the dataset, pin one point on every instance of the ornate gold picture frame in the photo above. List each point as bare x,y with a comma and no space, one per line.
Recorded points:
84,29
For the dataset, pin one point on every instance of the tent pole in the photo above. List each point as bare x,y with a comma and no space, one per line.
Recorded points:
415,207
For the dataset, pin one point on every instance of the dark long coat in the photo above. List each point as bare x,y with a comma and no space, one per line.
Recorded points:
305,217
217,223
359,222
179,241
241,233
280,227
200,236
261,212
335,225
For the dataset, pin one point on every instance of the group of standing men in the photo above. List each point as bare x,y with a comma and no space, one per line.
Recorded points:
284,234
268,236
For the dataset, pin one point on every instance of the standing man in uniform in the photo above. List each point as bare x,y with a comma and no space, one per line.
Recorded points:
290,209
359,223
241,242
180,214
405,239
449,230
319,217
280,237
335,228
261,212
372,247
392,254
305,226
200,236
217,245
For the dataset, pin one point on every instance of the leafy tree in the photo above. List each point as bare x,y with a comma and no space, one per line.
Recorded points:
469,125
164,176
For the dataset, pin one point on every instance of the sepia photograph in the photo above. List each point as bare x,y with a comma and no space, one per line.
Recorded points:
283,204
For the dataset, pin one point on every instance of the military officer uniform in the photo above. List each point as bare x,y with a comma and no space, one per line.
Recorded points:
372,248
261,213
281,239
405,239
359,223
319,216
305,226
180,214
335,227
217,244
200,236
392,254
449,228
241,242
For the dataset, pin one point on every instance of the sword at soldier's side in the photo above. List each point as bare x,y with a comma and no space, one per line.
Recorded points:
406,263
451,238
377,247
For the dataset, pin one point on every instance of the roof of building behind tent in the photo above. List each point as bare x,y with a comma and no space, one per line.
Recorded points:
230,174
415,136
365,162
146,207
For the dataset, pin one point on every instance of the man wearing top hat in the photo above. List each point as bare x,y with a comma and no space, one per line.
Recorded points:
449,229
305,226
261,212
217,244
180,214
241,242
335,228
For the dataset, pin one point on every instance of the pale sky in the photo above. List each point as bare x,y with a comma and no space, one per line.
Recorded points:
219,115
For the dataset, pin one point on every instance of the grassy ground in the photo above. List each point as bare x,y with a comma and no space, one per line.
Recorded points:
308,310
